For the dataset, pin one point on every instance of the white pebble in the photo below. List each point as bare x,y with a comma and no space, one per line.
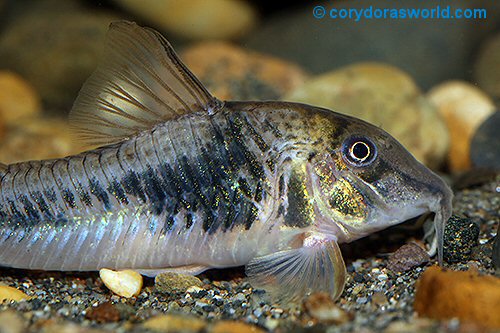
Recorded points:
125,283
382,277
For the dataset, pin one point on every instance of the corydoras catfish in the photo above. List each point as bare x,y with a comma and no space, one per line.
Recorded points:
184,182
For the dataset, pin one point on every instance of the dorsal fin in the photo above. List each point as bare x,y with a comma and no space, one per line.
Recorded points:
139,83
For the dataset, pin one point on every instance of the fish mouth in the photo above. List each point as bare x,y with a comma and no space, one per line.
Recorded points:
383,215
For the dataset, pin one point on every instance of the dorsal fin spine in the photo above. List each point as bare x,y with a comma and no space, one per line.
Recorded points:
141,82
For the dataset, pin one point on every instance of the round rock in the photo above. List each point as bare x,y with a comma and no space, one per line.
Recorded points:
18,99
12,322
460,236
484,151
37,138
173,282
56,51
196,19
232,73
464,107
406,257
384,96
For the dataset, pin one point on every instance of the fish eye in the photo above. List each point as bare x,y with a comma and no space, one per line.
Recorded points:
359,151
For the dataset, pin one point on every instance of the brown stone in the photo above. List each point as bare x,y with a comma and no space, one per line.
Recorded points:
18,99
103,313
37,138
232,73
406,257
468,296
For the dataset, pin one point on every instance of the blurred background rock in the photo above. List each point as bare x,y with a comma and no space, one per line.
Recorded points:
429,82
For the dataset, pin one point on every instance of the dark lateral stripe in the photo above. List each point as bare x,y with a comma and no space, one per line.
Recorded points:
15,214
132,185
240,150
98,191
51,195
69,197
189,221
256,137
83,195
193,180
118,192
168,225
174,184
154,190
29,209
42,205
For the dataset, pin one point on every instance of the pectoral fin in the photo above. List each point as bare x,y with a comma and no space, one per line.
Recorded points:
293,274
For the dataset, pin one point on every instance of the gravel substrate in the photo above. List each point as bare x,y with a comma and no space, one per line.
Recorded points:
375,298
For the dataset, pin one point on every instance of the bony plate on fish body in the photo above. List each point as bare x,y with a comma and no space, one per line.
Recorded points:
184,182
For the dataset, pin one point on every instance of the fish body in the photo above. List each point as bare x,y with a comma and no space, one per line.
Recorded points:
184,182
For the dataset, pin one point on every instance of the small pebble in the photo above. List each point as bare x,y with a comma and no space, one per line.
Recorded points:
8,294
378,298
125,283
173,282
103,313
321,307
382,277
406,257
460,236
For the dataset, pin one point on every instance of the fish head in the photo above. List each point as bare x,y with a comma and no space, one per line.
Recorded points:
364,181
